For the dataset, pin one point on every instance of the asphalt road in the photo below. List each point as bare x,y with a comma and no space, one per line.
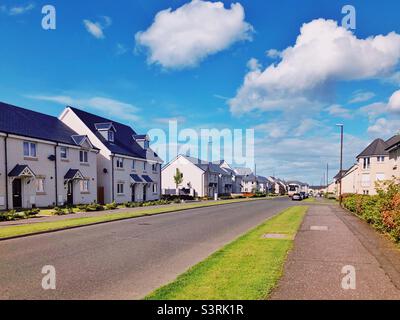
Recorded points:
124,259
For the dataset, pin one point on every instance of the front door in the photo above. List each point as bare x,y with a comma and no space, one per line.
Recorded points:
70,193
133,193
144,192
17,193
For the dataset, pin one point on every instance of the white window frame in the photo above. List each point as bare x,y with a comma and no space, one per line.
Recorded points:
110,136
84,185
82,157
120,188
62,153
120,163
32,149
40,185
155,188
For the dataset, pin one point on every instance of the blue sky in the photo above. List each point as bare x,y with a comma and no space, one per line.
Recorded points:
98,60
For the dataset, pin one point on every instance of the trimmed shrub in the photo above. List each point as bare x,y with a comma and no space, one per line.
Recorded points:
382,211
111,206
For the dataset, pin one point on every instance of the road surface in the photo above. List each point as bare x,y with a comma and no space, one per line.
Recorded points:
124,259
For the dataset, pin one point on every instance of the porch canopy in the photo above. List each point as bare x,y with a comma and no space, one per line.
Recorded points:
147,179
136,178
74,174
21,171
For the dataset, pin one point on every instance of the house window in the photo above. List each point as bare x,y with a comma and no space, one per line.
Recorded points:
154,167
64,152
29,149
40,185
365,180
120,188
366,192
83,156
120,163
146,144
133,164
84,185
111,136
381,159
380,176
366,163
144,166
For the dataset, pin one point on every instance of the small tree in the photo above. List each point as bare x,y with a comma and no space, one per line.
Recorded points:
178,178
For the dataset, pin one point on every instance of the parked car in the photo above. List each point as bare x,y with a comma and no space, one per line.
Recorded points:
297,197
303,195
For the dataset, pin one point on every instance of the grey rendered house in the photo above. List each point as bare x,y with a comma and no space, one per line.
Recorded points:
128,170
43,162
200,178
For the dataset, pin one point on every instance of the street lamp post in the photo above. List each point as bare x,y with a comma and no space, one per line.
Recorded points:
341,163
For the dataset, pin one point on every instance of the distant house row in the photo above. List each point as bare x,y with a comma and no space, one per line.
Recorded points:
378,162
206,179
78,158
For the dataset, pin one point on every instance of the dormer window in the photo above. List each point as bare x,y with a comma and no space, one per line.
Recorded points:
143,140
107,130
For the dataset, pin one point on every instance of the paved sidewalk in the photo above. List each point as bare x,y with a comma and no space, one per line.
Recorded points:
314,266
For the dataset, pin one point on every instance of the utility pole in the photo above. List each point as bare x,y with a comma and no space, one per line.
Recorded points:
327,174
341,163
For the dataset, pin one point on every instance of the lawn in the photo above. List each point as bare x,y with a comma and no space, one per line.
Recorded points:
246,269
37,227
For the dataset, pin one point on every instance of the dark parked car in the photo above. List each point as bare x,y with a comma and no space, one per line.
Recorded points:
297,197
303,195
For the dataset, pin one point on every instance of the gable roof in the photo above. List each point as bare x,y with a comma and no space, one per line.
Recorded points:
375,148
243,171
393,142
206,166
32,124
340,174
124,142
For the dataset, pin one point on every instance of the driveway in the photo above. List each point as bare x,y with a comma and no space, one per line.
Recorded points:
124,259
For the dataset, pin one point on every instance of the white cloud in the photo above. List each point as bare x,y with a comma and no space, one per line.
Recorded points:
323,54
96,28
253,64
373,110
184,37
362,96
305,158
17,10
394,102
111,107
273,53
337,110
384,127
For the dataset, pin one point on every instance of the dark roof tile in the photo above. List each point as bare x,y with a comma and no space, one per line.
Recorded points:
376,148
28,123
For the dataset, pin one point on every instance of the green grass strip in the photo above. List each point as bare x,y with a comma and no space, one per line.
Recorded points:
26,229
246,269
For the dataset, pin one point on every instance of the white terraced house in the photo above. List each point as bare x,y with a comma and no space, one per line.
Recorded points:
128,170
43,162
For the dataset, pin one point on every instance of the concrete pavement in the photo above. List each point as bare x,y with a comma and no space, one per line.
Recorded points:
314,267
125,259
